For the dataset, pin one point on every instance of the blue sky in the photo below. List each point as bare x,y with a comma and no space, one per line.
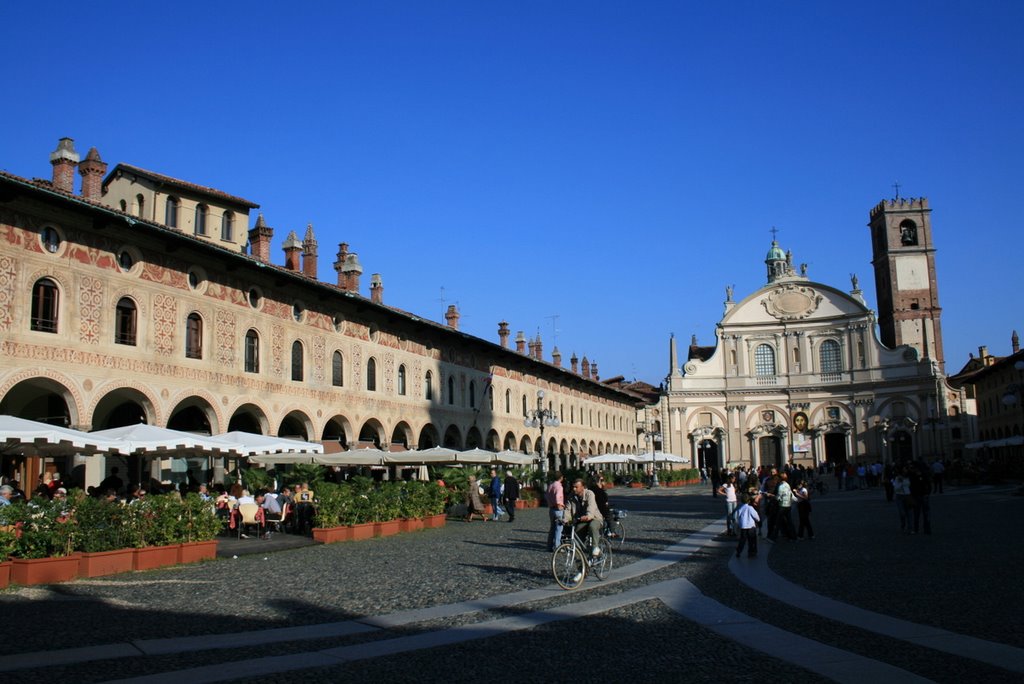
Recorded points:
612,164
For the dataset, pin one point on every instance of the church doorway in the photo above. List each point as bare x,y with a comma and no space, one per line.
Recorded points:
707,455
835,448
770,452
902,447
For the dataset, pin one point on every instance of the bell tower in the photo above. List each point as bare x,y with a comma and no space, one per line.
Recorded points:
903,256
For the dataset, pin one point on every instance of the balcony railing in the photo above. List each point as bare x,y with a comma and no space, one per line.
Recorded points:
767,380
831,377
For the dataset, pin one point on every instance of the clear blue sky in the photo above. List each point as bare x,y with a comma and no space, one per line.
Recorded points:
616,164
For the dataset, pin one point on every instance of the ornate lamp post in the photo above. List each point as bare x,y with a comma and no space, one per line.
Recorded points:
651,438
541,417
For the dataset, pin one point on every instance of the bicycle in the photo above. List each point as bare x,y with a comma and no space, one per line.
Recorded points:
613,529
573,560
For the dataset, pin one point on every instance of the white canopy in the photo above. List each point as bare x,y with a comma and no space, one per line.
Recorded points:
659,457
475,456
32,438
252,444
353,457
608,458
147,439
515,458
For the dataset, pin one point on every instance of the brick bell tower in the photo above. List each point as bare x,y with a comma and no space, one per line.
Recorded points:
903,256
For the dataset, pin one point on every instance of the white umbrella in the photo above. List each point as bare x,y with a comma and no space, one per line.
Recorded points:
432,455
148,439
515,458
607,458
266,449
32,438
659,457
476,456
353,457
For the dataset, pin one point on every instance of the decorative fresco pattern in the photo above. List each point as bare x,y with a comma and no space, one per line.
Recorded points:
277,349
226,338
90,308
8,278
319,354
165,316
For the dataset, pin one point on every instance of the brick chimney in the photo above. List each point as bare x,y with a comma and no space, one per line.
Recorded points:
1015,342
503,334
538,349
64,160
309,253
339,264
556,357
593,371
520,342
292,248
586,368
350,272
259,240
92,170
574,363
451,317
376,289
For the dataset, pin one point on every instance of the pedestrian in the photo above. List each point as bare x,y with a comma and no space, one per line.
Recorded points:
802,495
474,506
920,489
510,495
784,521
728,490
938,471
494,492
747,520
555,497
901,492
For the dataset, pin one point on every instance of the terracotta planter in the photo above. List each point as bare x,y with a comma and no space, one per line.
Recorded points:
332,535
103,563
410,524
193,552
636,485
433,521
520,504
362,531
387,528
29,571
5,574
152,557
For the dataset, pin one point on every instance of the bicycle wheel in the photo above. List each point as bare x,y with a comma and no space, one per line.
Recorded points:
602,565
568,567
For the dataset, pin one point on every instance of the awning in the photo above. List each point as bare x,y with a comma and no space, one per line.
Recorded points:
150,439
32,438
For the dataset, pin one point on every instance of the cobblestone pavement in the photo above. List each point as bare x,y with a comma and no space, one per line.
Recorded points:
959,578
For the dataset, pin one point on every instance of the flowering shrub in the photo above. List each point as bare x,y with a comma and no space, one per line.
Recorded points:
42,528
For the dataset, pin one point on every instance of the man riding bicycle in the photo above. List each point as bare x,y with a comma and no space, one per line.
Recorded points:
601,497
584,512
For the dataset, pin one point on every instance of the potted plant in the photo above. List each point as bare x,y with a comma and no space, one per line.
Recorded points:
104,541
157,524
334,513
386,508
199,529
45,534
8,542
437,503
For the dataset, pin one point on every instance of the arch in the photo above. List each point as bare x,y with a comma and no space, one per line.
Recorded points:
208,418
428,386
121,403
493,441
509,443
402,435
452,438
296,424
473,438
252,351
429,437
371,374
298,365
337,369
249,417
337,434
371,434
401,380
194,336
126,315
525,445
764,360
45,314
44,399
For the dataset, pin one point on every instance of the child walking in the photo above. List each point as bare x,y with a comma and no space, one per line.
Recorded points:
747,520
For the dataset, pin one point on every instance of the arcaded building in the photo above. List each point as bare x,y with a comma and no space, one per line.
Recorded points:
144,298
805,372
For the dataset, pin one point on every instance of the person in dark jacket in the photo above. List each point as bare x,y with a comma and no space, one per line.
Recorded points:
510,495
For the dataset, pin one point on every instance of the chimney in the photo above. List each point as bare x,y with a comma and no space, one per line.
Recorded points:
64,160
556,357
1015,342
520,342
503,334
593,371
574,363
339,265
292,247
376,289
350,272
586,368
452,317
92,170
259,240
538,349
983,355
309,253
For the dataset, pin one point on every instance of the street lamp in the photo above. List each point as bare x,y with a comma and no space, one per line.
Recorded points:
651,437
540,418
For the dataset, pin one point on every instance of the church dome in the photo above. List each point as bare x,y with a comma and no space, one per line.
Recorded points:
775,252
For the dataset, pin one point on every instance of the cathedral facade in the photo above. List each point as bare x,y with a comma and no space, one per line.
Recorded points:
149,299
804,372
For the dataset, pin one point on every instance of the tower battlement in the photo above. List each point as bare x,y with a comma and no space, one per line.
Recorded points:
901,204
